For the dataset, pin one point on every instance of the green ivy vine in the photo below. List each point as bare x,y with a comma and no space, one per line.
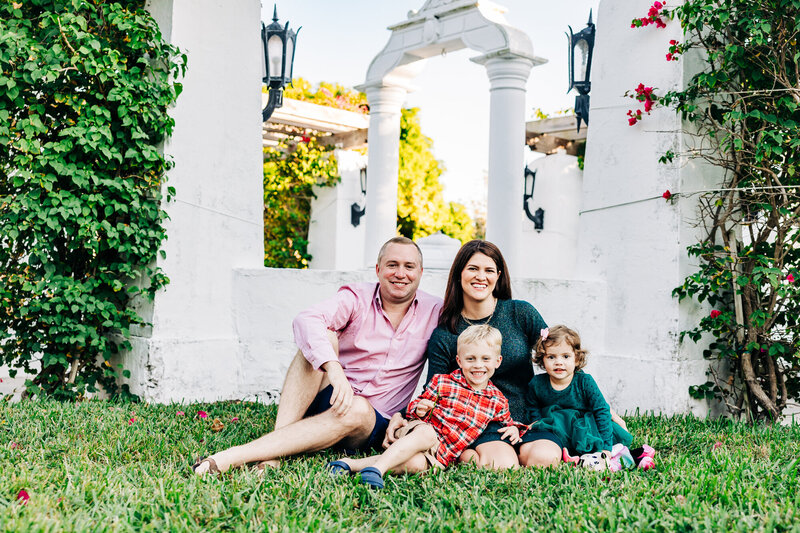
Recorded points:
84,90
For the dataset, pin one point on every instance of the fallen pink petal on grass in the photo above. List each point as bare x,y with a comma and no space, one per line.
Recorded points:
14,445
132,420
202,414
180,413
235,419
716,445
23,497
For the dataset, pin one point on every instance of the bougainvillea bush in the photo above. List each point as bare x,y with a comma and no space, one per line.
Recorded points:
84,92
743,109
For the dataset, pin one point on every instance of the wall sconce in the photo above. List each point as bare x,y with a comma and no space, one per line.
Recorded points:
583,41
357,211
277,45
537,217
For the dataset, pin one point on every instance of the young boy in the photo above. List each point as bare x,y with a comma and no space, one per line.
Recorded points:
448,416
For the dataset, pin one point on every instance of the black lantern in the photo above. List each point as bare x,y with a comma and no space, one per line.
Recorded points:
581,47
277,43
356,211
537,217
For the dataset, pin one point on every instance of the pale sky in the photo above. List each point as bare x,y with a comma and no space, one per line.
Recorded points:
339,39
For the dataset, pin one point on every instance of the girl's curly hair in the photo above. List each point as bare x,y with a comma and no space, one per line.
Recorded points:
556,335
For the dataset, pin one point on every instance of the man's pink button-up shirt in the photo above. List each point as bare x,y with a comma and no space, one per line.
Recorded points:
382,364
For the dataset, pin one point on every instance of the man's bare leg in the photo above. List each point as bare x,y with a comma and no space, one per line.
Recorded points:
300,387
307,435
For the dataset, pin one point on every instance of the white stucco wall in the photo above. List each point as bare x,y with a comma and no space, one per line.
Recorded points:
216,221
552,252
635,244
333,242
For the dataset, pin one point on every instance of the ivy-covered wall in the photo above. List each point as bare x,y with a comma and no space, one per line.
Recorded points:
84,92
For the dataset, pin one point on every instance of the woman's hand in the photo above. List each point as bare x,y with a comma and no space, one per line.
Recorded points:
396,422
511,433
342,395
423,406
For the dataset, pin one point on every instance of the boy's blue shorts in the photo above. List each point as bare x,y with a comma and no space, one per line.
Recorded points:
322,402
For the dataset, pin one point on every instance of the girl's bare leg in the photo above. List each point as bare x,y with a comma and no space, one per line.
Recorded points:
540,453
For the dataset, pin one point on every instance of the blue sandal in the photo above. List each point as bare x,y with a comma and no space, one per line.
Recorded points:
372,477
338,468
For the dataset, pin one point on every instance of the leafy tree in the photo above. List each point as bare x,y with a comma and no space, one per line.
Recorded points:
743,107
291,170
421,209
84,92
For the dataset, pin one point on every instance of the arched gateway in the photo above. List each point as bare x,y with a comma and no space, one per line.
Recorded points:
442,26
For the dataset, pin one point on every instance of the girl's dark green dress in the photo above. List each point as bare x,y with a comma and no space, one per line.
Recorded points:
578,415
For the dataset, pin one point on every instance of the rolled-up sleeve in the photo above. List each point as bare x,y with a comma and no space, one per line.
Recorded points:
311,325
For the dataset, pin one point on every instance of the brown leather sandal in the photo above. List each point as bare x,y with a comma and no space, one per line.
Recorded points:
260,467
212,465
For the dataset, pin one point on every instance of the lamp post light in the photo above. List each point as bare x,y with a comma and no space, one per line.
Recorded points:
277,44
583,42
536,217
357,211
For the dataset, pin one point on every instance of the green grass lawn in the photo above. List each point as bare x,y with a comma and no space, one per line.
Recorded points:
98,466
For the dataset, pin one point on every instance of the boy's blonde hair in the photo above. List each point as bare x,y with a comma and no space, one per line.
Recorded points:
555,335
481,333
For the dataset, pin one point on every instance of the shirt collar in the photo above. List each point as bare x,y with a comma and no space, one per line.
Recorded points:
379,302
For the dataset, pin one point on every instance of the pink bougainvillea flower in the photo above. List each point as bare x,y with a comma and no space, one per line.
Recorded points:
667,195
202,414
132,420
716,445
631,121
23,497
306,139
180,413
790,278
235,419
715,313
673,42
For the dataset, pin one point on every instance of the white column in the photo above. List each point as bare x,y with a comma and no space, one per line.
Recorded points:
383,163
508,75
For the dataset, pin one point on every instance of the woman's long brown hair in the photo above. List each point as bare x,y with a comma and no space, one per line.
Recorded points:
454,295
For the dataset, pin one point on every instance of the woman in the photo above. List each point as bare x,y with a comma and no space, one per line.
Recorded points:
479,292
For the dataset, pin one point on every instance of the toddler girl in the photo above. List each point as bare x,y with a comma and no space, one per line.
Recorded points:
566,402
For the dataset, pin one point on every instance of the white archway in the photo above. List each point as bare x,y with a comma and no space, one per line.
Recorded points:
442,26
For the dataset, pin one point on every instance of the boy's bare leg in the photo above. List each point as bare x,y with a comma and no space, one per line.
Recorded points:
497,455
403,455
468,456
307,435
300,387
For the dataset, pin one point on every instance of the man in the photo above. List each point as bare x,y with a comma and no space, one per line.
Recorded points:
361,354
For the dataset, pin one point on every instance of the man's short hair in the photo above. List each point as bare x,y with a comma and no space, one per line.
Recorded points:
399,240
481,333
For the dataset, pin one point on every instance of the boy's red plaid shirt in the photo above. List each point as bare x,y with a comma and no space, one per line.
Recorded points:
461,413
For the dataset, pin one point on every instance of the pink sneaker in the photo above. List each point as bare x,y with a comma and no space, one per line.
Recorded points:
567,458
646,463
648,451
